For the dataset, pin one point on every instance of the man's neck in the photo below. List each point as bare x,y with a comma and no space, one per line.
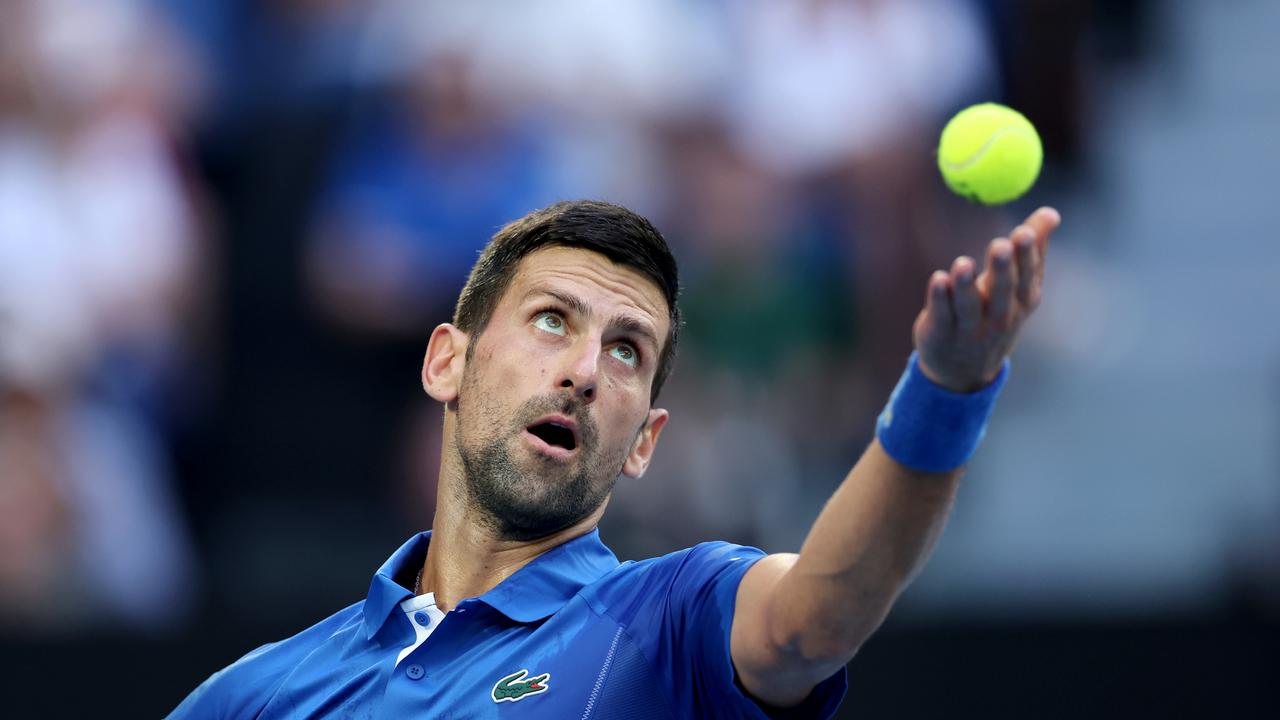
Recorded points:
466,560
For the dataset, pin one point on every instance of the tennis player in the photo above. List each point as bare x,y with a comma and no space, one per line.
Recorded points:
511,606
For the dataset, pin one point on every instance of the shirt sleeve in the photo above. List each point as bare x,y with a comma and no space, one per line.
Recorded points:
235,691
243,688
694,639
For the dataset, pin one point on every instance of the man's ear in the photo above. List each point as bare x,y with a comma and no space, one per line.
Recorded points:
646,441
445,360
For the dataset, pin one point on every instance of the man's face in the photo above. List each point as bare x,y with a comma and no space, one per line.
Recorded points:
554,399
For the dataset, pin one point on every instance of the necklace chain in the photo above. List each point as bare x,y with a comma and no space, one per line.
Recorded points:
417,582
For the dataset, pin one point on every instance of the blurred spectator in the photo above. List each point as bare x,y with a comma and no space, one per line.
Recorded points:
97,273
844,100
822,81
420,182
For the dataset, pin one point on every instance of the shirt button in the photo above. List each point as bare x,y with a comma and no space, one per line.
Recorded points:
421,618
415,672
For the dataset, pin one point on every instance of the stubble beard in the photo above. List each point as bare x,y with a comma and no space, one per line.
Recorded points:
530,500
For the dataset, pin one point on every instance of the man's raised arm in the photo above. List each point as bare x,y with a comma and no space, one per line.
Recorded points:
799,618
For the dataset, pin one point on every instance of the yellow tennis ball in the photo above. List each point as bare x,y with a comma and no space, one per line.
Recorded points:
990,154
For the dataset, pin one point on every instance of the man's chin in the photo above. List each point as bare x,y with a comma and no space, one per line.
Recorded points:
528,519
526,494
549,499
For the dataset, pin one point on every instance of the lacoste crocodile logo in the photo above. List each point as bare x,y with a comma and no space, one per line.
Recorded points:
515,687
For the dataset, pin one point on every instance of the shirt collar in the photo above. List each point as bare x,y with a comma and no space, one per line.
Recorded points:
533,592
550,580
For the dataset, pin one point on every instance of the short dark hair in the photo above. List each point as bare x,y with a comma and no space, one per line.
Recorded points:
617,233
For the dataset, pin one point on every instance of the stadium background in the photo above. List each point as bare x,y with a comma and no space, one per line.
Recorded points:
227,226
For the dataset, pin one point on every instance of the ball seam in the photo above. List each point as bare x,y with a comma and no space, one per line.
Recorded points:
977,154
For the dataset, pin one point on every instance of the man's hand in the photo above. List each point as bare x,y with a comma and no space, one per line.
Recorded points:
969,325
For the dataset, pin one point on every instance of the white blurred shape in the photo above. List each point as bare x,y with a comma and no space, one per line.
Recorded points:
823,81
628,59
45,327
133,552
84,47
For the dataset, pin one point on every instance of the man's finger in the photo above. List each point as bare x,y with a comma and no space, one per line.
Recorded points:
1043,222
937,301
1027,258
964,294
1000,282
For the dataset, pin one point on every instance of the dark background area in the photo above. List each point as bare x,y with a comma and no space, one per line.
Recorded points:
1186,668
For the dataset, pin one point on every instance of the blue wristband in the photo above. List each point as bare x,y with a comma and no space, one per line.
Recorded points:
927,427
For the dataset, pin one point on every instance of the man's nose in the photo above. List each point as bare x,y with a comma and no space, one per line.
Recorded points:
582,372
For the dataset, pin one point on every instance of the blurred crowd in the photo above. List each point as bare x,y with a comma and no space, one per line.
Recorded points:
228,226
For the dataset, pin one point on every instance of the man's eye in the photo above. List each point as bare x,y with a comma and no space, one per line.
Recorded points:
549,321
626,354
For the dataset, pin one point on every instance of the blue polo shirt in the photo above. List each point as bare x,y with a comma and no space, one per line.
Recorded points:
573,634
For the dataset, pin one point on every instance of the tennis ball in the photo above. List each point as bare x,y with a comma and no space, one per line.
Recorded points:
990,154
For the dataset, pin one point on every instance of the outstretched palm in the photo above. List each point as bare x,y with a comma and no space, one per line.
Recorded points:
970,324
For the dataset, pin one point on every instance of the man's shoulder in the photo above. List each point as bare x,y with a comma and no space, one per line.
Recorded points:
637,585
712,553
674,615
247,684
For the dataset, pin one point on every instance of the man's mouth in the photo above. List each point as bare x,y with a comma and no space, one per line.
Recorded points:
558,435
